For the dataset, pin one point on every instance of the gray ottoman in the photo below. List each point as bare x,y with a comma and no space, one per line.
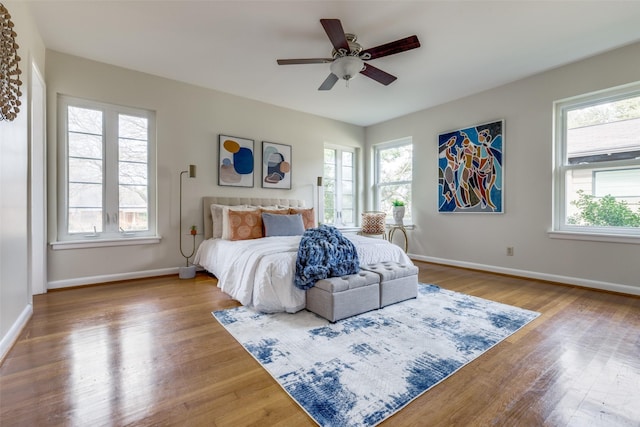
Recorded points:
398,281
336,298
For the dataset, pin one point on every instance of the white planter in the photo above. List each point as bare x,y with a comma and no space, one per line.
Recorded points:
398,215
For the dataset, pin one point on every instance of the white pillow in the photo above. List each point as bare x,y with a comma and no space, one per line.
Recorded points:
226,229
216,215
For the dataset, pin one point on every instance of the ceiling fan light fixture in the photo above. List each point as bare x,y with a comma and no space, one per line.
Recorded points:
347,67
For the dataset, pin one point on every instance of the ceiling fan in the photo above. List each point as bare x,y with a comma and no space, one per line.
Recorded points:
348,56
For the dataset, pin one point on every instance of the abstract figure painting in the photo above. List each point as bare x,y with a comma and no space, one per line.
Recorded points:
276,165
235,161
470,169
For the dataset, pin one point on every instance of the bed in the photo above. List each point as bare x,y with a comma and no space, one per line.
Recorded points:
259,273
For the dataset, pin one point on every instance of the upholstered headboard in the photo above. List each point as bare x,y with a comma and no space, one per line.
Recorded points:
234,201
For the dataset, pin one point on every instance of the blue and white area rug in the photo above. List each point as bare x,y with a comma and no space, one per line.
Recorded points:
361,370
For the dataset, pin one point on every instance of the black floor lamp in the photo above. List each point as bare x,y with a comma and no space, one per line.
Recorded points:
189,271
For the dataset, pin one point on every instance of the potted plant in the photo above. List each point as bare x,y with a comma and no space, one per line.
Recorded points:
398,211
194,230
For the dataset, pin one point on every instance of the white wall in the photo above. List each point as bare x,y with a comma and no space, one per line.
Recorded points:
189,119
480,240
15,295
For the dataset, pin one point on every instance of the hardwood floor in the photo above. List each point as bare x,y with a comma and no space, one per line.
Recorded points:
148,352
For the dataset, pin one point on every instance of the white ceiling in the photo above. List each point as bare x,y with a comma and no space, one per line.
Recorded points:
232,46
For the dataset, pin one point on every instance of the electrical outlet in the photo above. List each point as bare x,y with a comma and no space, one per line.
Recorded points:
509,250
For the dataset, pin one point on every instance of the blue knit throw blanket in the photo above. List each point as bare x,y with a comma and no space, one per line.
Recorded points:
324,252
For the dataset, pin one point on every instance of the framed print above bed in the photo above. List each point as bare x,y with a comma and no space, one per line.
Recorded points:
276,165
235,161
470,169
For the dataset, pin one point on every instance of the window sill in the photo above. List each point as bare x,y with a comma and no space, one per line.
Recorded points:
595,237
406,226
351,229
126,241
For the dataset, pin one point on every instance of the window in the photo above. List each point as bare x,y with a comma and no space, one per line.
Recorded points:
393,176
339,186
108,167
597,163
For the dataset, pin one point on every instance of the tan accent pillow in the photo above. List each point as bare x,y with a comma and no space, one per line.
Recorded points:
226,229
245,225
308,216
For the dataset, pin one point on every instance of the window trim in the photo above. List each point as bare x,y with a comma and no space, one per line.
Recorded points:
559,228
376,174
66,240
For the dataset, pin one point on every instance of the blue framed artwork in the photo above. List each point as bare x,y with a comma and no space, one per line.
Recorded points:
471,169
276,165
236,158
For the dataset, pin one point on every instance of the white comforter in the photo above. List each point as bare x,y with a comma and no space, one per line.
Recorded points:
259,273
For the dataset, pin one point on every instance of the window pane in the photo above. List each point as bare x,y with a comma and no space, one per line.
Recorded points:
85,195
85,170
131,150
347,159
329,156
83,220
347,216
591,203
395,164
84,145
133,220
347,189
133,215
131,127
84,120
604,142
85,208
329,171
133,173
622,183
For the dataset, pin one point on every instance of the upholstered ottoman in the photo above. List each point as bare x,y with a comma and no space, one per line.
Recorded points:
336,298
398,281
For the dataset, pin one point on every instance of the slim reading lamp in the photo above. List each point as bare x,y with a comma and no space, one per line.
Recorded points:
189,271
320,207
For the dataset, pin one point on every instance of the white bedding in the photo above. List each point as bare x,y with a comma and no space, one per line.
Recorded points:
259,273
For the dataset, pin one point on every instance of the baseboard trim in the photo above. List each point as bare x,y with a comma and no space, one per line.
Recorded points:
568,280
592,284
14,332
92,280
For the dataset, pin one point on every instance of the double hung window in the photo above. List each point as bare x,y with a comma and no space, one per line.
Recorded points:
393,176
597,163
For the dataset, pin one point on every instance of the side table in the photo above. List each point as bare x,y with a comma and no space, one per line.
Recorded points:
392,230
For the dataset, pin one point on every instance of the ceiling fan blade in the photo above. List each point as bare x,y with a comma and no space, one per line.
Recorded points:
329,82
397,46
333,28
378,75
304,61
